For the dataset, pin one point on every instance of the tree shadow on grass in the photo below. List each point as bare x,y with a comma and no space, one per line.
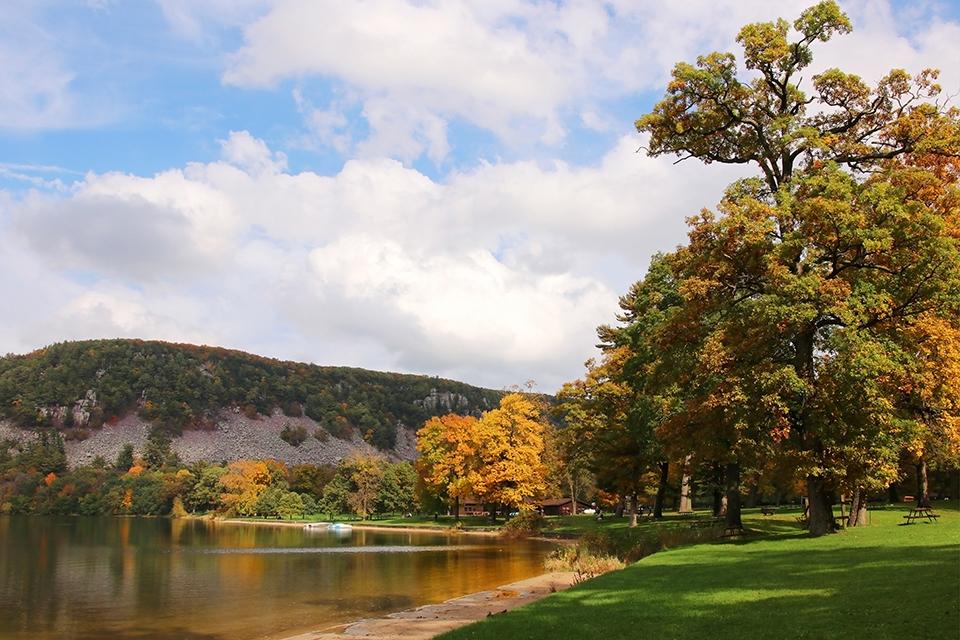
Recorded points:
860,592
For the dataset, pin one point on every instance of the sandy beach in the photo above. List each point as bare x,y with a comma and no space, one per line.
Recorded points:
431,620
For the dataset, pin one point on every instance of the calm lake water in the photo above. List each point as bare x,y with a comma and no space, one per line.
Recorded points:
139,578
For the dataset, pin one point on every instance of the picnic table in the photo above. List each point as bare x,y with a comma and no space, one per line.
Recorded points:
768,511
918,513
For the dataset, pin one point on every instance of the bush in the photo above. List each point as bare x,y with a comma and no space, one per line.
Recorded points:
528,523
294,436
583,564
292,409
630,545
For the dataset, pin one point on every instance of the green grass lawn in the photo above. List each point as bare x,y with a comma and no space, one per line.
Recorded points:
876,582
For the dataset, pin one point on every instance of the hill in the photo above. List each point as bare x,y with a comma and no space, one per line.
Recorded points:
199,395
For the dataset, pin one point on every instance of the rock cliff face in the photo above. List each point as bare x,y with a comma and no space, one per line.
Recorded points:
446,402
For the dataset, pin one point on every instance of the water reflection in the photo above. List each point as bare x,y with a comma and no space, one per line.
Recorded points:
157,578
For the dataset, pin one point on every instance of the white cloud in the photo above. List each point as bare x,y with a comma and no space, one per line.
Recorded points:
520,69
251,154
494,275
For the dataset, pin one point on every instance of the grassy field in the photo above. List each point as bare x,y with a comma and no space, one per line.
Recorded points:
877,582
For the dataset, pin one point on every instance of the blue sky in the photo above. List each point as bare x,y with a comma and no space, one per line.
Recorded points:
443,188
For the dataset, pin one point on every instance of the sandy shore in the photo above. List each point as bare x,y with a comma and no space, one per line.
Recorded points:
433,619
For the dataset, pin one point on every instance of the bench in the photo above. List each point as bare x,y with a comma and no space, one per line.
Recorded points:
768,511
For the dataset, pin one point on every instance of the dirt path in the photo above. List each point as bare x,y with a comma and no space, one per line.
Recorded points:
433,619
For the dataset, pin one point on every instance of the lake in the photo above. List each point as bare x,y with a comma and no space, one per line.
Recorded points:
139,578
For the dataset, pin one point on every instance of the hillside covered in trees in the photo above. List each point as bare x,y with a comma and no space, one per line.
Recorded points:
80,386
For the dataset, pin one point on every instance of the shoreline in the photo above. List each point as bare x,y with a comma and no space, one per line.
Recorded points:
364,527
430,620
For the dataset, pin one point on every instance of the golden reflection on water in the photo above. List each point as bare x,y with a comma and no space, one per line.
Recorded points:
139,578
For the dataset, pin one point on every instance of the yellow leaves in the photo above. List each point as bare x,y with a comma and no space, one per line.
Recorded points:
497,458
243,483
135,471
446,445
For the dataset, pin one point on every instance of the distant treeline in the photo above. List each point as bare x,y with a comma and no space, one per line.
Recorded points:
35,480
180,386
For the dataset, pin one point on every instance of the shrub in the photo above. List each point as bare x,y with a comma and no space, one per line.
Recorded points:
292,409
528,523
630,545
583,564
75,434
294,436
321,435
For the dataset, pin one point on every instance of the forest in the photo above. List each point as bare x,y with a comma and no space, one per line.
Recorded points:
77,386
35,479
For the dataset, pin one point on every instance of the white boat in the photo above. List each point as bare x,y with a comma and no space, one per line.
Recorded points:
339,526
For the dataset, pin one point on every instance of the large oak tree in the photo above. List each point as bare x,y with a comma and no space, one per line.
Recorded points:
816,263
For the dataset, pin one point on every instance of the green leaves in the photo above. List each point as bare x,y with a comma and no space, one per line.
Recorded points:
710,114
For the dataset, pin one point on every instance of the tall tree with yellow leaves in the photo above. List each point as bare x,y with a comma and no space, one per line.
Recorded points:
509,453
448,452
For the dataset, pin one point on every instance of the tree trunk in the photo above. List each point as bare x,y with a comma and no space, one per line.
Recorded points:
717,493
661,489
621,506
573,496
820,517
858,509
686,504
731,478
923,487
633,510
753,495
893,494
456,508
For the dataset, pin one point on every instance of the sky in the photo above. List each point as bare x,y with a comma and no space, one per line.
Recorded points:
444,188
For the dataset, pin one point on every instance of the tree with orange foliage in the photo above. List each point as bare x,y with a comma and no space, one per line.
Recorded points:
447,446
932,396
242,484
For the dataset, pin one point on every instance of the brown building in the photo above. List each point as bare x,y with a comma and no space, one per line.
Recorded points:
562,506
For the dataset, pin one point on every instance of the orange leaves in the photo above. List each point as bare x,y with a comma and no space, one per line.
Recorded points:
497,459
447,446
127,502
243,483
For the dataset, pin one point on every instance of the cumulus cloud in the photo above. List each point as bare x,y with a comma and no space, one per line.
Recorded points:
494,275
521,69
